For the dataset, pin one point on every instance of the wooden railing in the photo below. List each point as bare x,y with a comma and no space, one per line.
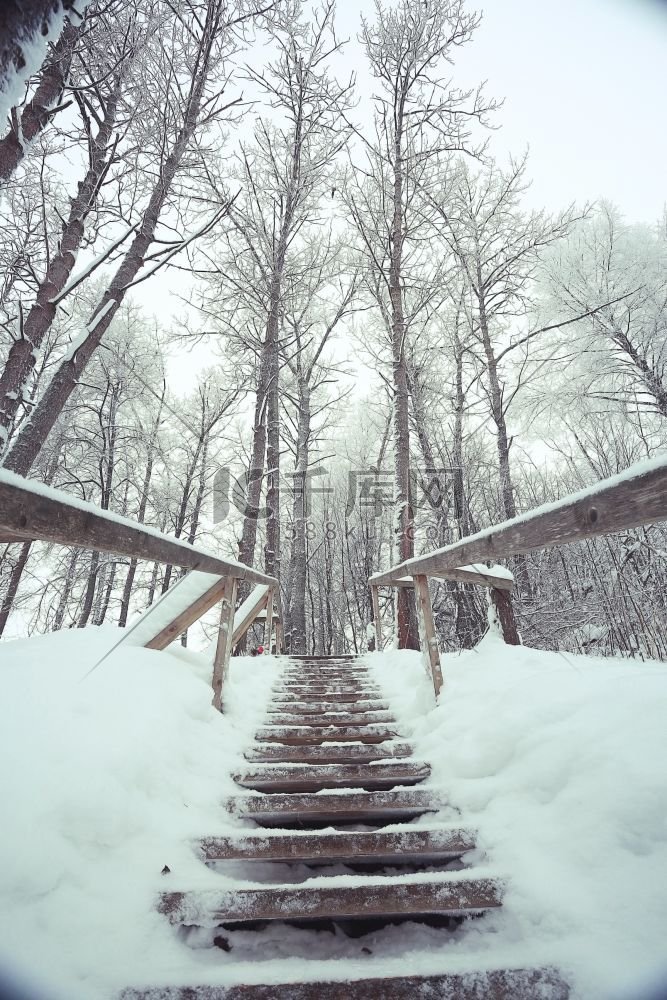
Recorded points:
634,498
29,511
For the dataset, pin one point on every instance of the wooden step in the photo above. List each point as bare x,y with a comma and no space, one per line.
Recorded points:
390,847
313,777
489,984
338,807
384,897
322,691
326,676
328,753
332,719
310,735
317,707
316,658
331,698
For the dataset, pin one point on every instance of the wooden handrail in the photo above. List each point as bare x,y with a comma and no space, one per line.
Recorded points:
30,511
631,499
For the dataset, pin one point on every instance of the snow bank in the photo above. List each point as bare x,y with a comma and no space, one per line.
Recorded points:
559,762
105,779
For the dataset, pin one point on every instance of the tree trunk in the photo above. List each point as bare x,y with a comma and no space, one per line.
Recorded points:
23,353
26,125
408,634
13,586
36,429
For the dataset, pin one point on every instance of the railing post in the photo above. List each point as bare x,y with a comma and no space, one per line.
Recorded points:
375,600
501,602
268,631
223,649
427,637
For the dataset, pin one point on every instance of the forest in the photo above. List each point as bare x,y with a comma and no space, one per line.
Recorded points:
396,348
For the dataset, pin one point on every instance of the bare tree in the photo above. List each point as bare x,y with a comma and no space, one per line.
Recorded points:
203,34
419,118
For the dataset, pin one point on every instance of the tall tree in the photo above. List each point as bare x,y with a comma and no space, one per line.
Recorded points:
419,118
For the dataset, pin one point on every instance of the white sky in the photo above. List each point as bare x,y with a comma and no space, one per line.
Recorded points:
584,83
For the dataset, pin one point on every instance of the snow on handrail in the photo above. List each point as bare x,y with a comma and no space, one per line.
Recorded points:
31,511
634,497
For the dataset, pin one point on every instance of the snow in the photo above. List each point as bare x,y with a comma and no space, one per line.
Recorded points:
105,780
557,761
38,488
602,487
34,49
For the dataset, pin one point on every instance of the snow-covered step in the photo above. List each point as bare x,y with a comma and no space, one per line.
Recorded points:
489,984
301,735
322,691
326,676
313,777
305,697
328,753
404,803
316,708
391,847
332,719
337,897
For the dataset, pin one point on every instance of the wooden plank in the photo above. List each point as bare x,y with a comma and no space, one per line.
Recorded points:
486,984
328,753
250,611
337,807
428,639
301,735
381,845
314,777
33,512
375,600
223,650
634,498
268,629
461,574
387,897
188,616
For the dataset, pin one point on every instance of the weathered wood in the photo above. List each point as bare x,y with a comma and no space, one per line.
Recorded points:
332,719
30,512
379,845
252,612
188,616
326,806
492,984
502,602
636,497
461,575
314,777
268,629
327,753
301,735
427,637
375,600
223,650
388,897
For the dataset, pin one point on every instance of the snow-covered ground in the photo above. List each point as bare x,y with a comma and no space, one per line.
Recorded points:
558,761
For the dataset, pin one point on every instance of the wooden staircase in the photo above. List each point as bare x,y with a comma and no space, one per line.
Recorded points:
330,759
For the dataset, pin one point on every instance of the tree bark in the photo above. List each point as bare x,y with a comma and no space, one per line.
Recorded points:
406,619
26,125
36,429
22,356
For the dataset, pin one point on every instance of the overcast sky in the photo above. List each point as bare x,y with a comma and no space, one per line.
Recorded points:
584,83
